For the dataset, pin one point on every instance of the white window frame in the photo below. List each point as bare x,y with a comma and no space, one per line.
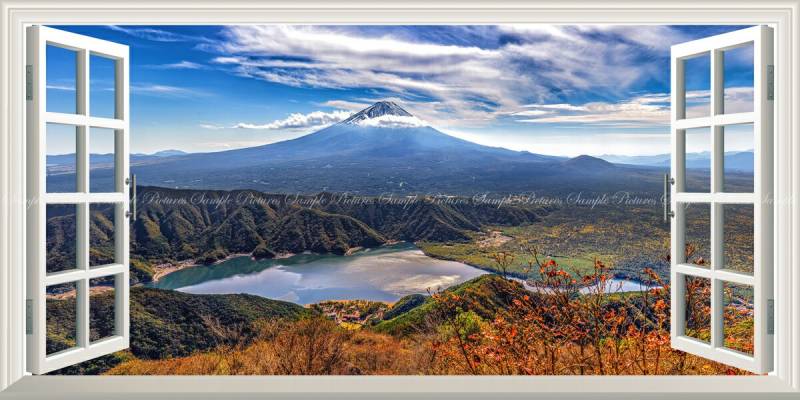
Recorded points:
761,280
15,15
38,39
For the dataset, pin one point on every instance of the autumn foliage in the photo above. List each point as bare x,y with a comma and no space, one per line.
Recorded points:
566,323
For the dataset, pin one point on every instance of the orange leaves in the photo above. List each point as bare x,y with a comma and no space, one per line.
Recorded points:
660,305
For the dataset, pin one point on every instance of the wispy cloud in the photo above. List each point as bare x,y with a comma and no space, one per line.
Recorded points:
166,90
648,109
347,105
314,119
61,87
157,35
561,106
179,65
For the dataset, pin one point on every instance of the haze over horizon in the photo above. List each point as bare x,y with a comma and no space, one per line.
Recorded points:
555,90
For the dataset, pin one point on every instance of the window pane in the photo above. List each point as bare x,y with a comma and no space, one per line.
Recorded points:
61,315
697,73
102,160
698,234
698,308
698,160
61,232
739,150
739,237
101,308
61,149
60,80
738,322
738,79
101,234
101,86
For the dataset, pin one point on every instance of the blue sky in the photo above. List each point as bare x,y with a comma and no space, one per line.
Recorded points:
562,90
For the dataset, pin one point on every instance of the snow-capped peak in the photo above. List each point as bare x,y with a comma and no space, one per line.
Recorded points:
384,114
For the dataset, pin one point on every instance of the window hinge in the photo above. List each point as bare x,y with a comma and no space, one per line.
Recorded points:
770,317
28,317
29,82
770,82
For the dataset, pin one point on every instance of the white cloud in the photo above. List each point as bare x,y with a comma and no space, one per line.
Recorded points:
470,85
474,85
532,113
393,121
212,126
300,121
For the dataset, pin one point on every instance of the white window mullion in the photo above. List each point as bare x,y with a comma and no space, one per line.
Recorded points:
677,163
717,105
123,185
763,207
717,263
36,212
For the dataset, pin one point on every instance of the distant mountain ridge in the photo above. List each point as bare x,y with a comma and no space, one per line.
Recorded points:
95,159
585,162
734,160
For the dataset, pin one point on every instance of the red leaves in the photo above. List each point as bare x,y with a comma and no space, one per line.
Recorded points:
561,329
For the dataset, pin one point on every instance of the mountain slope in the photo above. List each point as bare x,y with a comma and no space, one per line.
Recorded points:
321,232
487,294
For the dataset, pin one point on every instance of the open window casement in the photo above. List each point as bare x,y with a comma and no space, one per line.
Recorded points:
700,284
71,271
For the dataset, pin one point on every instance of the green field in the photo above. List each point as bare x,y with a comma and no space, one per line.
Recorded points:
627,239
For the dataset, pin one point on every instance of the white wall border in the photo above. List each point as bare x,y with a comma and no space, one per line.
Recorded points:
15,14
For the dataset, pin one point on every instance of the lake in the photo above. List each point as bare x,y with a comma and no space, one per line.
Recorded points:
613,285
385,273
382,274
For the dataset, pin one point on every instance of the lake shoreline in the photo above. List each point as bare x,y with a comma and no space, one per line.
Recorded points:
524,279
381,274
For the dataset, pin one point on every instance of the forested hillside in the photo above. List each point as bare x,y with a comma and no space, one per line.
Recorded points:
207,226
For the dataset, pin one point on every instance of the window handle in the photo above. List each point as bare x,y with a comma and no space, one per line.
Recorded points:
132,212
668,213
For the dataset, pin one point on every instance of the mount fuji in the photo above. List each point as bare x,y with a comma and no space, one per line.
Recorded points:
385,149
